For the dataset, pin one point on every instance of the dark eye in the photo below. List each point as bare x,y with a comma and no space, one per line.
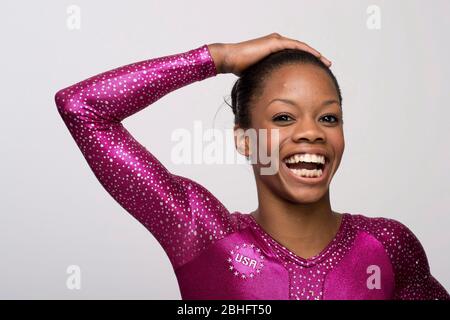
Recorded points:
329,116
282,117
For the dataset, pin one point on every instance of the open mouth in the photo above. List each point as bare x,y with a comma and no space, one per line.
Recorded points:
309,166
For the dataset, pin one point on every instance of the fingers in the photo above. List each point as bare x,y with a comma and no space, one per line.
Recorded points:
295,44
305,47
326,61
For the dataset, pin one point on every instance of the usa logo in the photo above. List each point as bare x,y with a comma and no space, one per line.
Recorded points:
245,261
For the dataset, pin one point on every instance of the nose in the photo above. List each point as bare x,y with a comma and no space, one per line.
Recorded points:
308,130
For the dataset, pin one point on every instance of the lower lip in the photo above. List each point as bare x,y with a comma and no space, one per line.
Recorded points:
308,180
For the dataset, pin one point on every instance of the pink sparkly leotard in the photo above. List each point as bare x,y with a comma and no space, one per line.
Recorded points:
217,254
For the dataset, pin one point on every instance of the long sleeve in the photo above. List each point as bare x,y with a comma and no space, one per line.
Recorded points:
413,280
182,215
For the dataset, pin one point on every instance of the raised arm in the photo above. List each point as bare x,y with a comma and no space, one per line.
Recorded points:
182,215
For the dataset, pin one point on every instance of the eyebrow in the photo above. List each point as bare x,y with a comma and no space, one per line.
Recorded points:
323,104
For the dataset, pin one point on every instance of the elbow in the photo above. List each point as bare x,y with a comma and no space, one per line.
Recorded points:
62,99
65,100
70,107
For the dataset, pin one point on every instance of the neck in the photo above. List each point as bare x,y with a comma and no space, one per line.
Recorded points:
304,228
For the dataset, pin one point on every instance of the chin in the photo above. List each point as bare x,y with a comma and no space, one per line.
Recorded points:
306,195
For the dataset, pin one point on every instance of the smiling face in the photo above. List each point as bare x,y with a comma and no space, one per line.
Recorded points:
301,101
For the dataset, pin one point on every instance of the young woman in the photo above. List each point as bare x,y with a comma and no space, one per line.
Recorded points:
293,246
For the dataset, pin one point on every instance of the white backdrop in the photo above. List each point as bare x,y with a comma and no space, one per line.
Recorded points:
53,211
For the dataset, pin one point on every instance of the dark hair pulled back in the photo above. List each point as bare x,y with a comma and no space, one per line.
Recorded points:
251,82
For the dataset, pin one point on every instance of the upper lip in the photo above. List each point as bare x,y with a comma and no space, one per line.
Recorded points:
319,151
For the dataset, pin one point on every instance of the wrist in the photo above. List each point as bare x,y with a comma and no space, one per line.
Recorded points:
217,53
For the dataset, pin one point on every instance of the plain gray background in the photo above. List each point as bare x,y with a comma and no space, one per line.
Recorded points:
54,213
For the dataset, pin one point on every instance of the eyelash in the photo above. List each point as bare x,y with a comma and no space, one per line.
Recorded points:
327,115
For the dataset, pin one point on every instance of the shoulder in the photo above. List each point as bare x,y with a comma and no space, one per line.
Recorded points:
413,279
398,240
392,233
240,220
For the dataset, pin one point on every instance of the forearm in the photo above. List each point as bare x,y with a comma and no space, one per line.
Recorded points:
121,92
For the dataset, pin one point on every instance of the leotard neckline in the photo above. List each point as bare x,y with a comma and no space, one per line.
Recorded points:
334,245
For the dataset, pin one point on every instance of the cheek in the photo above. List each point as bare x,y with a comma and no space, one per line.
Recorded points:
279,137
337,142
268,141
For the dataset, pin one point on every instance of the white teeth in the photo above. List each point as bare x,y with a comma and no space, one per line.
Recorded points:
306,157
307,173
